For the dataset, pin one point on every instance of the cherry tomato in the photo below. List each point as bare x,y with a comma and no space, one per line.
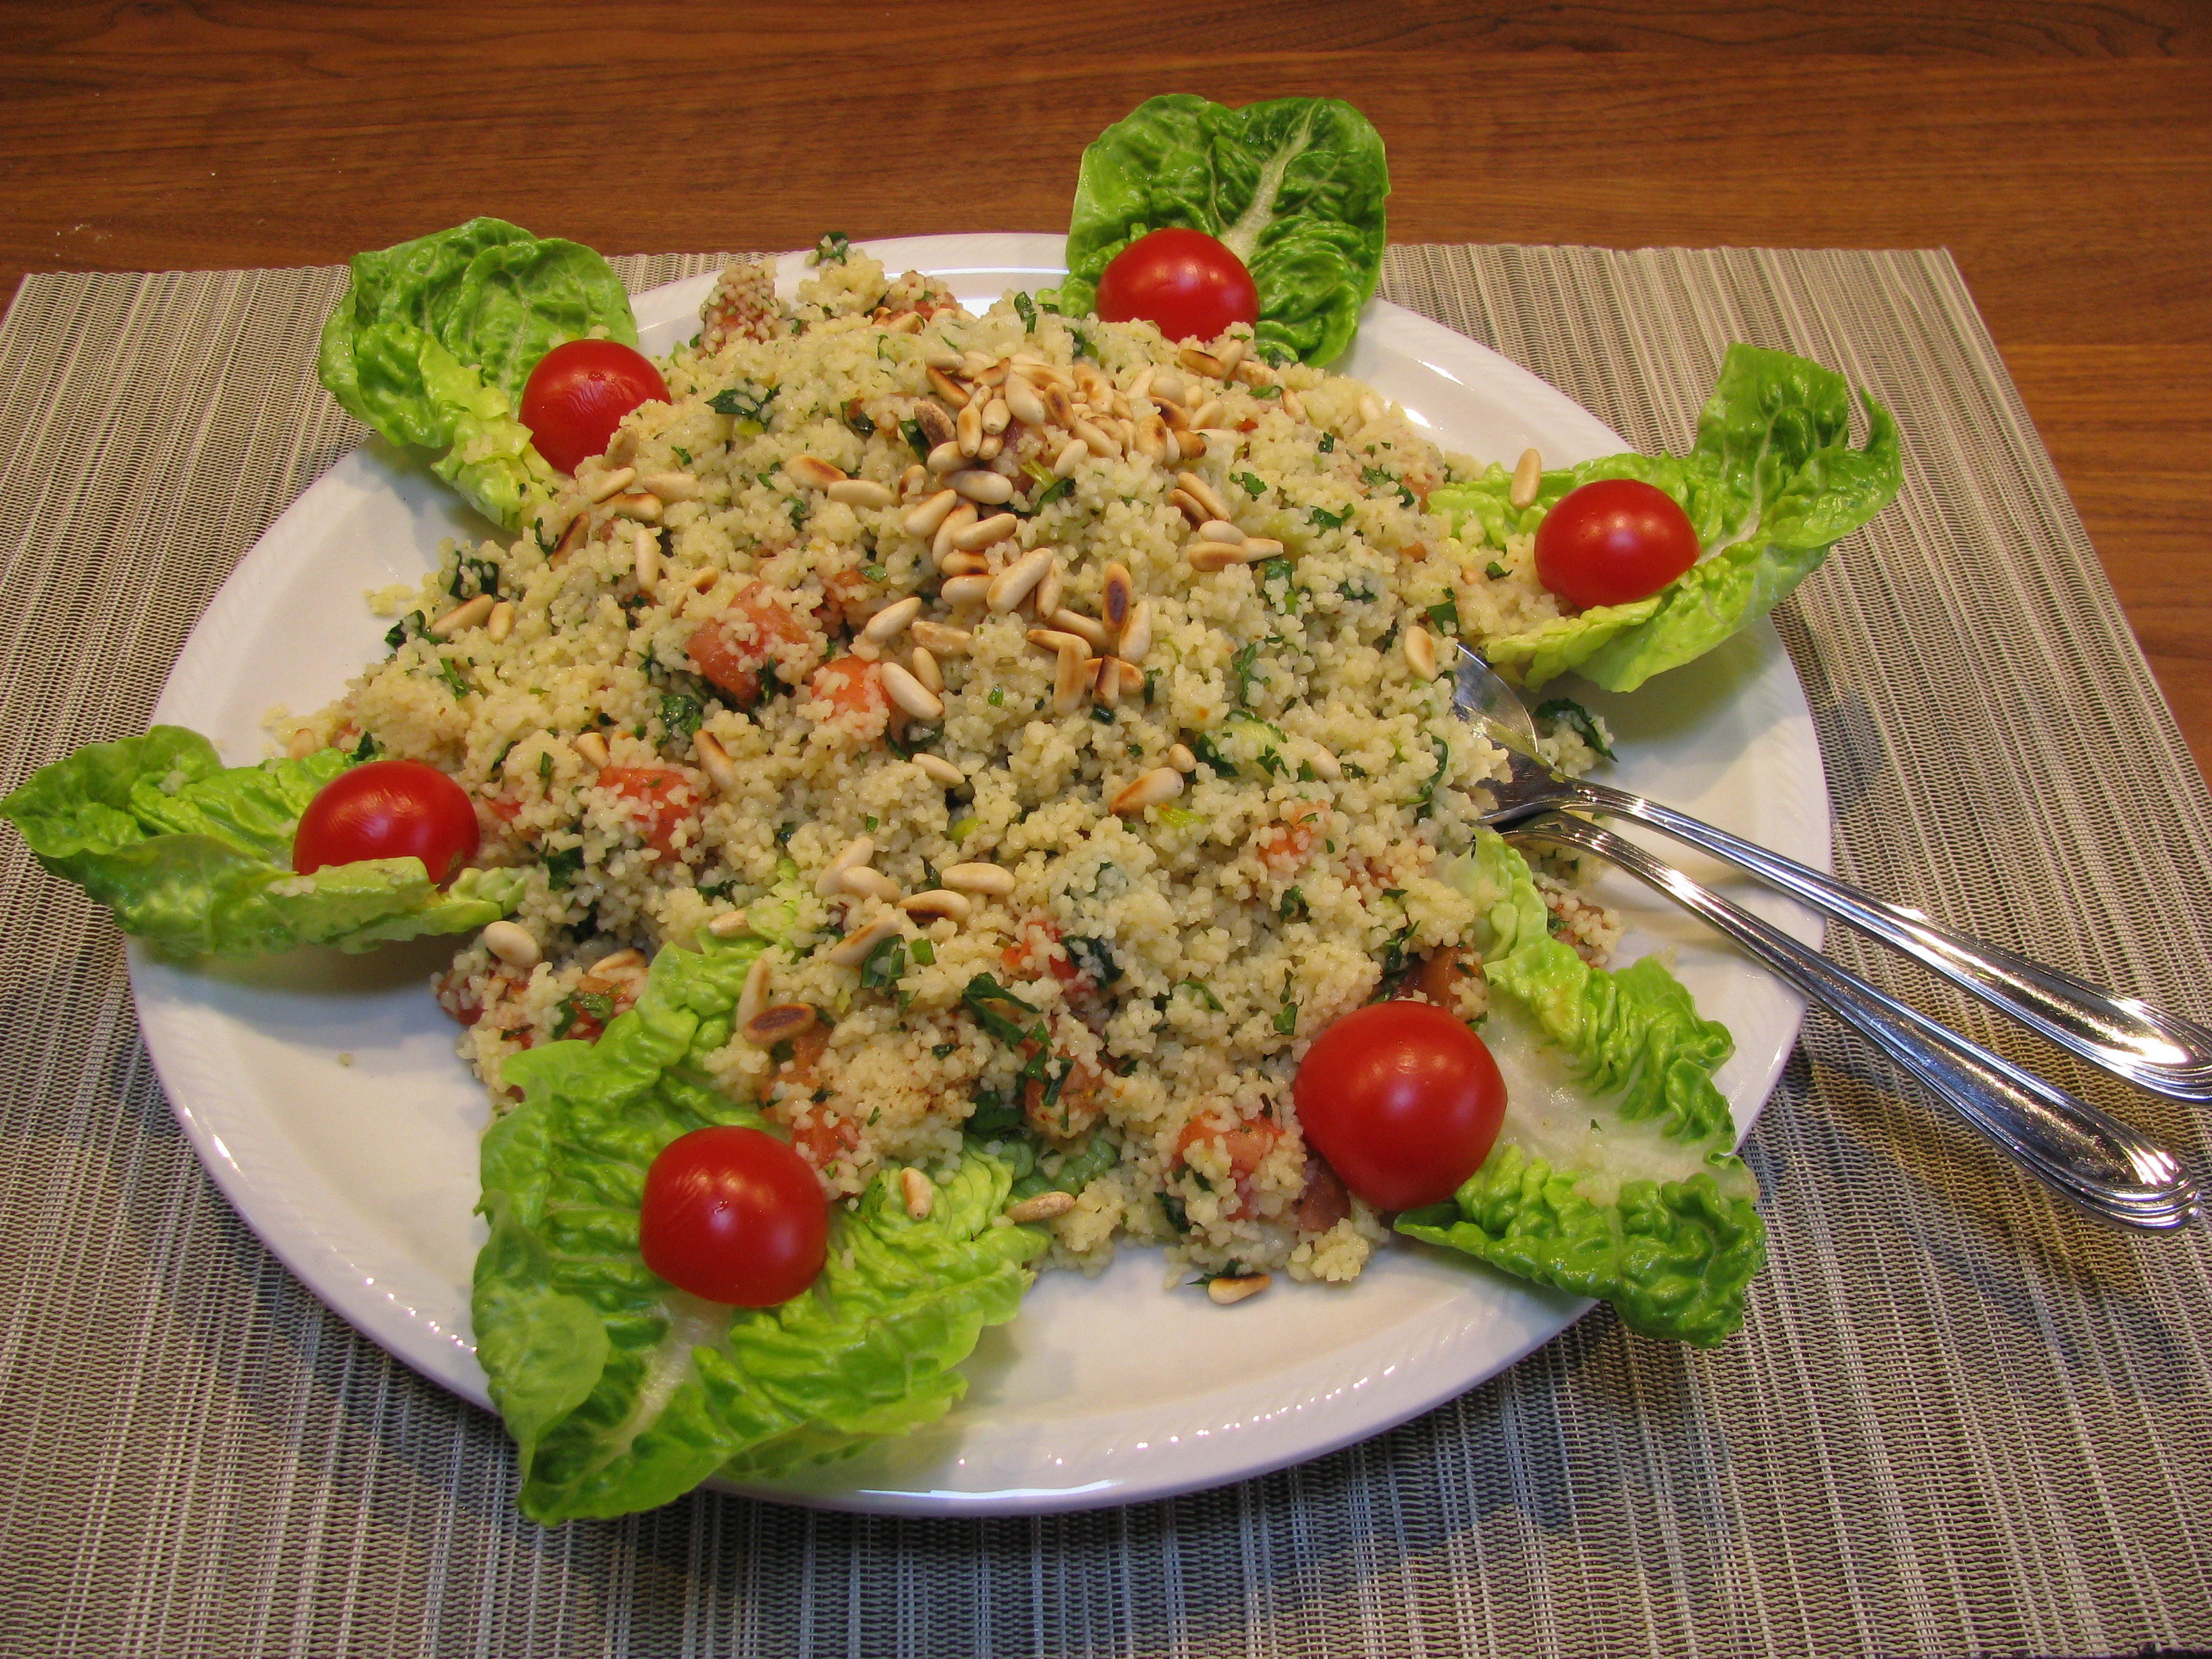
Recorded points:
1186,280
1402,1100
734,1216
1614,542
579,392
388,809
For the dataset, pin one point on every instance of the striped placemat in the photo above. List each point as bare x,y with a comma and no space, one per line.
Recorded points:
1960,1420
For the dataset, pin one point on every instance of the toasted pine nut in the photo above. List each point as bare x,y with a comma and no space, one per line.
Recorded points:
1199,360
860,492
1089,630
979,878
940,771
1189,506
1191,446
627,964
641,509
1154,789
467,614
993,489
1166,383
969,428
913,481
770,1026
910,694
812,471
940,357
610,484
670,486
997,416
940,641
591,746
947,388
1204,494
888,622
728,925
853,950
993,446
1059,407
936,423
924,669
961,518
868,882
1181,758
1231,354
906,322
982,534
501,622
859,850
1106,684
924,520
919,1194
512,943
1097,438
1022,399
1253,373
1119,592
1257,547
1420,652
1326,763
1072,678
1210,413
976,364
1140,384
947,458
1073,454
1043,1207
1225,1291
1043,374
754,992
1013,585
963,564
1154,441
1293,406
966,590
702,579
715,761
303,743
1044,599
1053,640
1214,555
1136,641
938,902
1220,530
1527,479
645,556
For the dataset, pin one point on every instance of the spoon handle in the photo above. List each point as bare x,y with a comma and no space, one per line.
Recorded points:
2124,1036
2099,1162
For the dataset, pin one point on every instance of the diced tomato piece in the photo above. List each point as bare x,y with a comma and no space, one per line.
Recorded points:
845,599
854,690
822,1140
1039,947
1287,844
661,801
1073,1111
1247,1140
731,649
1438,976
453,996
1325,1200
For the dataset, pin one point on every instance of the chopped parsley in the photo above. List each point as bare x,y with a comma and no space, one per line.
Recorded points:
885,965
1025,309
857,418
988,1001
1094,957
746,403
681,715
832,248
1328,520
916,439
1293,907
1250,482
1197,989
1495,571
1565,711
454,678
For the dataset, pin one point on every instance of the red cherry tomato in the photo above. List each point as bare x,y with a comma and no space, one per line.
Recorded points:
578,394
388,809
1186,280
735,1216
1614,542
1402,1100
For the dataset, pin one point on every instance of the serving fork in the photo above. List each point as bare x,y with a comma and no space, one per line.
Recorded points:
2100,1163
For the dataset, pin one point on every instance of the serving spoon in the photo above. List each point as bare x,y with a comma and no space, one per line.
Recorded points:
2102,1165
2123,1035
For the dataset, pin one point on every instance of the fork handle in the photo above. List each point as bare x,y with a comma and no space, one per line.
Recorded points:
2124,1036
2099,1162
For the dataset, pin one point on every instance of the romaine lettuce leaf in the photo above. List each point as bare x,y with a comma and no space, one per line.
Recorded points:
1612,1176
1297,187
1771,484
435,339
623,1393
196,858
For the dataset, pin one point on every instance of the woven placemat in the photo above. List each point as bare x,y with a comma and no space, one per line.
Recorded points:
1960,1420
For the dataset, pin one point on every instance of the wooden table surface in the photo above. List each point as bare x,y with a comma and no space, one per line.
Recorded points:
2061,149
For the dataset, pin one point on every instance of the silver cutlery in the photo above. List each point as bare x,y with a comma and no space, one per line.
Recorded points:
2124,1036
2101,1164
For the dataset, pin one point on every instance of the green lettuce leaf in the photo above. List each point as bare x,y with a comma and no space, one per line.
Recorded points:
435,339
1612,1176
196,858
623,1393
1297,187
1771,484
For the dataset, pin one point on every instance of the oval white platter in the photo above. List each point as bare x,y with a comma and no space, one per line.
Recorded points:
323,1095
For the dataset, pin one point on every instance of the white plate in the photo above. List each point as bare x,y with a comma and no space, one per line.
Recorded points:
323,1092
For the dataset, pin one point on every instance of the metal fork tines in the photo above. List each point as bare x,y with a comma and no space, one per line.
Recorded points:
2124,1036
2104,1166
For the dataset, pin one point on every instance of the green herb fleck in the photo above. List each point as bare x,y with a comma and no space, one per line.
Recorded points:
681,716
988,1001
1293,907
1328,442
1565,711
998,695
924,953
1094,957
1328,520
916,439
832,249
455,678
564,866
1250,482
875,573
1496,571
746,403
1446,617
1025,309
857,418
1199,989
885,965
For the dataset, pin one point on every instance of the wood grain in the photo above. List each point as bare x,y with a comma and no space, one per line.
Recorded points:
2063,152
